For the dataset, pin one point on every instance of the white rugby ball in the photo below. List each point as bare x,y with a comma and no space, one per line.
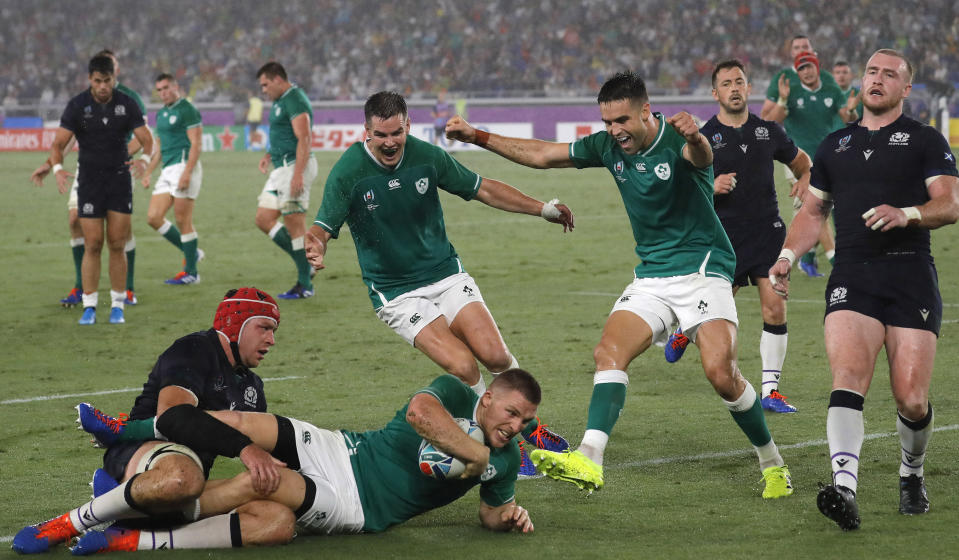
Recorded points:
440,465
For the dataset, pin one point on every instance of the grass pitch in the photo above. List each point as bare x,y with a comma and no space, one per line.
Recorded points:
681,479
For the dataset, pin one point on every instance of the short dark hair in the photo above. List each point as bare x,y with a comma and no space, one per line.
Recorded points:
165,76
106,52
800,36
897,54
384,105
271,70
517,379
102,64
624,85
840,63
726,65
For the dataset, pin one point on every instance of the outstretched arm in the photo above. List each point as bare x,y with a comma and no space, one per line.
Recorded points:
538,154
505,197
506,517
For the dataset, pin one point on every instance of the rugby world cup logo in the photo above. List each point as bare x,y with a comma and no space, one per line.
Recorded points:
618,167
718,140
844,143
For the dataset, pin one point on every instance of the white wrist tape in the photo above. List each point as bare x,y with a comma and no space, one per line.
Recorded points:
56,168
912,213
789,255
550,211
146,158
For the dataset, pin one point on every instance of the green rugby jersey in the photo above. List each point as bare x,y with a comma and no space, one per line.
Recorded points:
811,115
772,92
293,102
173,121
395,216
136,97
386,465
669,203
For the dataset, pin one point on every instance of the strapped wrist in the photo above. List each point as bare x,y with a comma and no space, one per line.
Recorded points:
912,213
788,255
482,137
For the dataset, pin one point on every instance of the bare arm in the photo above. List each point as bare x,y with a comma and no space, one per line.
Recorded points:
435,424
315,241
505,518
304,141
143,135
802,235
195,136
154,163
60,142
697,150
801,166
505,197
776,110
942,208
534,153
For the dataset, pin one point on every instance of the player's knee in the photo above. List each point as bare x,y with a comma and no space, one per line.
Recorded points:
606,357
154,219
264,223
497,358
180,483
913,406
465,368
267,523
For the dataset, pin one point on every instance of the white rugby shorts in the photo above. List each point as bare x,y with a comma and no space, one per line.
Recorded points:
276,192
408,313
690,300
170,179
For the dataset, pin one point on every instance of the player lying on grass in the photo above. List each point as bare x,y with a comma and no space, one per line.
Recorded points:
350,482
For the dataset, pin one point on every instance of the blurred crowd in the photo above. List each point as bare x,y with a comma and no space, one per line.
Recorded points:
343,49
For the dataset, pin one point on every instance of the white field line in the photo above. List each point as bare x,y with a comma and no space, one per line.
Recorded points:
110,392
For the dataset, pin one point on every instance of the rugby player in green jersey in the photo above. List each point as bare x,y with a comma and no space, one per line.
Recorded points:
286,193
663,169
387,190
179,133
345,482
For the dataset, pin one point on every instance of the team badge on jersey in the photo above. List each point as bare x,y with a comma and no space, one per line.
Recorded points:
249,397
422,185
827,101
277,110
662,171
489,473
120,110
172,119
844,143
762,133
838,295
899,139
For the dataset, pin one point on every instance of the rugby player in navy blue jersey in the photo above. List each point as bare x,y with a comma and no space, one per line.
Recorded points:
744,195
100,119
891,180
162,479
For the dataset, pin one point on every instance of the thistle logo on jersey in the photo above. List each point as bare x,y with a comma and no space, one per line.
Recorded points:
249,397
662,171
394,184
838,295
422,185
762,133
899,139
844,143
120,110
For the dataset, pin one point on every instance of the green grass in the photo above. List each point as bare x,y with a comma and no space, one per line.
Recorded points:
550,293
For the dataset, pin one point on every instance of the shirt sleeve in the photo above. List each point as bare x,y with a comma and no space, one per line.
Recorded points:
454,178
820,176
186,364
137,118
501,489
70,118
786,149
938,158
335,206
588,150
453,394
192,118
296,104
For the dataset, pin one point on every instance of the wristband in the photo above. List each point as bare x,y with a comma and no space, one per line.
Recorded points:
146,158
912,213
781,102
56,168
482,137
789,255
550,211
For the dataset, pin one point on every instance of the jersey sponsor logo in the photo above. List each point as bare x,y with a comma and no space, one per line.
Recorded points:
394,184
899,139
827,101
307,437
105,120
743,147
662,171
641,167
422,185
624,299
415,318
867,153
249,397
844,143
120,110
762,133
924,313
838,295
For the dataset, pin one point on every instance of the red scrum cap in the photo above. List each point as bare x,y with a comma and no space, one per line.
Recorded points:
241,305
804,58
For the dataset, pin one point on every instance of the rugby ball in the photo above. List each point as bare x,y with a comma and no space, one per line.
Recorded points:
438,464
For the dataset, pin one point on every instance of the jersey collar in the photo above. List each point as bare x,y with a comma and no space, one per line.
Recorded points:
659,134
399,164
